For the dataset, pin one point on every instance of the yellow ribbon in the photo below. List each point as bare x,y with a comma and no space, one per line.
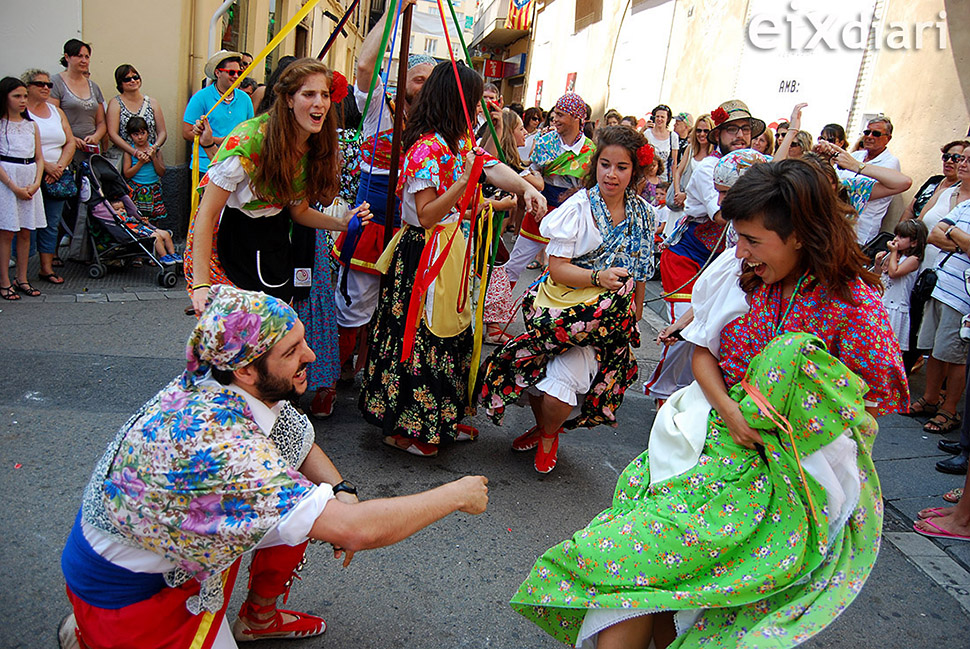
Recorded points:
477,331
287,28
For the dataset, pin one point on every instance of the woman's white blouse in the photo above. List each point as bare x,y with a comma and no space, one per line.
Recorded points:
570,228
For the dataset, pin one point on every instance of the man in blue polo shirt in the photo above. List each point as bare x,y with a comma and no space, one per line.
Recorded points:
223,68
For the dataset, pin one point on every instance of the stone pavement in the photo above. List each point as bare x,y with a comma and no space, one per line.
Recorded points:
74,372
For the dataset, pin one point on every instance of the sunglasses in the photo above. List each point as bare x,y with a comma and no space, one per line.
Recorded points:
703,130
231,73
873,133
953,157
831,140
133,77
42,84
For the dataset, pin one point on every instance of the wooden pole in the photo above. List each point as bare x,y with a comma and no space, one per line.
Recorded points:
399,101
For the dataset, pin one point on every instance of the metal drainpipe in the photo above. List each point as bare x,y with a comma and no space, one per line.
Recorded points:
220,12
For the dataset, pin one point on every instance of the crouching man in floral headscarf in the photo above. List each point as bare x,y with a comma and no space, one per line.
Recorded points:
216,465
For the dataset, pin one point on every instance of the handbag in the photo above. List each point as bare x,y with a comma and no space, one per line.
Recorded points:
923,288
63,187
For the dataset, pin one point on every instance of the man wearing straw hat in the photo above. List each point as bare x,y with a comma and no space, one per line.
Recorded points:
222,67
698,237
359,281
216,465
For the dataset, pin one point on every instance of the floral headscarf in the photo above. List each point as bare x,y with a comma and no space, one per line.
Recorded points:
236,328
730,167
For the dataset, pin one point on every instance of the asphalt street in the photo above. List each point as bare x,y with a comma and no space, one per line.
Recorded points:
77,364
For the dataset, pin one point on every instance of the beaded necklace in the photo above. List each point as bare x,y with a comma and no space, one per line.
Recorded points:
791,302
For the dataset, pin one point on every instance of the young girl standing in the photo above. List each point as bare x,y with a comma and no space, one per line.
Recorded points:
21,170
899,268
144,173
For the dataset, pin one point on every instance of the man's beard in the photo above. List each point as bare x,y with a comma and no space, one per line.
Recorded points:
274,388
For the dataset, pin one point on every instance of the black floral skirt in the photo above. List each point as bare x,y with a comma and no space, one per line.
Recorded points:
426,396
608,325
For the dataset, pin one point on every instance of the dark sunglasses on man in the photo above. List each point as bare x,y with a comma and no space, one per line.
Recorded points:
953,157
873,133
231,73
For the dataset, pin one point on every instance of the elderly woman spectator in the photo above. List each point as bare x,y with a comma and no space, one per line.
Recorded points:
80,98
130,102
57,145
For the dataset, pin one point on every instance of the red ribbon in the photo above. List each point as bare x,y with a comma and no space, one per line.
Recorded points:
428,271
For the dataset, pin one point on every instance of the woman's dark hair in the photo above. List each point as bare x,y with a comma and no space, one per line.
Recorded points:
136,124
916,231
73,48
949,145
275,178
793,197
438,109
121,72
8,85
624,136
662,107
531,113
836,131
269,97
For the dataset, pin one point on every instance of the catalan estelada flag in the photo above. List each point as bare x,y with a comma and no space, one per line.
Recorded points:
520,15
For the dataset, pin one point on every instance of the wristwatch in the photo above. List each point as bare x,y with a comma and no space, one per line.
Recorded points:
345,486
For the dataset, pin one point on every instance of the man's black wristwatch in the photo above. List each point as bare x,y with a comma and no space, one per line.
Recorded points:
345,486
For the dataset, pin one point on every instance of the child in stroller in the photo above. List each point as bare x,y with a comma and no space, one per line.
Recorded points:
116,195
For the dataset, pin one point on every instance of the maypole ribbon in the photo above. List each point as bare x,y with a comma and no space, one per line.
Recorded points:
290,26
479,325
356,226
772,414
336,30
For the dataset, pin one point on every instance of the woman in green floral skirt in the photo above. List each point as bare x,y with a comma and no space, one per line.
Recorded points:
754,518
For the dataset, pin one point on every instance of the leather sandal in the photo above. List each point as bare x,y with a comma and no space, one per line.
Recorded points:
7,293
942,423
546,461
921,408
527,441
304,626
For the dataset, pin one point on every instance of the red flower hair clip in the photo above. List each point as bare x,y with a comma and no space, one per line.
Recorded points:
645,155
338,88
719,116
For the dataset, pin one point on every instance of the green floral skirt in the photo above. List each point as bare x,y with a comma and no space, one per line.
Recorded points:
426,396
734,536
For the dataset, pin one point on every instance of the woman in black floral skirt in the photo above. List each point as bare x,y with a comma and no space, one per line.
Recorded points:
416,381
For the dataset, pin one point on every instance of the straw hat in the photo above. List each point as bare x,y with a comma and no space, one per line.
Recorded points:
216,60
733,111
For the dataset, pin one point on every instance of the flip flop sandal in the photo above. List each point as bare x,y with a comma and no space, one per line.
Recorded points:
533,265
953,495
938,532
921,408
938,426
53,278
57,263
931,512
27,289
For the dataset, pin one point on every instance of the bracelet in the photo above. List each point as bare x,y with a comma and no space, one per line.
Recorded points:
196,287
595,278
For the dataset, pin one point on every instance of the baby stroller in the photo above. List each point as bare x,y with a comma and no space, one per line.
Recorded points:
111,240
